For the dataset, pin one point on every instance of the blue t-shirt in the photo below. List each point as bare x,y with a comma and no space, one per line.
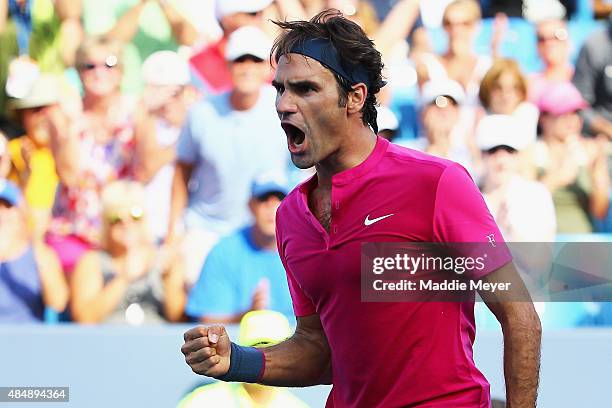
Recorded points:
230,275
20,290
228,149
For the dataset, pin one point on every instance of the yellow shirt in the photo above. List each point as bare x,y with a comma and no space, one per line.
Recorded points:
41,185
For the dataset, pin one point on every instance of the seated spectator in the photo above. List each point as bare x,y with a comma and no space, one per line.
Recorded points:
522,208
98,148
227,140
593,78
554,49
460,62
167,98
446,130
127,280
503,91
573,168
243,272
30,274
33,167
257,329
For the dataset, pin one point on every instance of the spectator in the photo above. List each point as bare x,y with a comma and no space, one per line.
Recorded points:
522,208
167,96
30,274
145,26
573,168
226,141
257,329
127,280
243,272
446,131
602,8
45,31
98,148
503,90
554,49
459,62
593,78
210,63
32,164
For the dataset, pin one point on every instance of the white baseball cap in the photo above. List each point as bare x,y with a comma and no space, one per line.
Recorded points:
499,130
165,68
444,87
248,40
226,7
386,119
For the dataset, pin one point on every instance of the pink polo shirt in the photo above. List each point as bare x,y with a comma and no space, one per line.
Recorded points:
388,354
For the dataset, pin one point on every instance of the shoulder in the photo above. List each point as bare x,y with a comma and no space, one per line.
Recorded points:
416,163
233,242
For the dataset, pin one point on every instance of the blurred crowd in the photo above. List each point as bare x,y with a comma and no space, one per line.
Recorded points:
142,161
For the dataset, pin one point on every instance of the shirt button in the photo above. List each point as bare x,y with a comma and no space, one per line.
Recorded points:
337,205
335,229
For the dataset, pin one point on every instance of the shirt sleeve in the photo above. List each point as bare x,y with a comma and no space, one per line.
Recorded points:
214,293
462,217
302,304
187,147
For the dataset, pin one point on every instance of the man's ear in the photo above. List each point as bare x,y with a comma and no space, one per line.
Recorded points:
357,98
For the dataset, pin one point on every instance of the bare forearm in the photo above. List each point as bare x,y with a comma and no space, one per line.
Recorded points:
175,297
299,361
397,24
182,29
522,361
179,196
103,304
126,27
3,14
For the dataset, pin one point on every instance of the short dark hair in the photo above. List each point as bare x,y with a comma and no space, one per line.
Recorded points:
353,46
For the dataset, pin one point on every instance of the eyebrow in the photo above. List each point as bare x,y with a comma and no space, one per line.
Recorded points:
297,84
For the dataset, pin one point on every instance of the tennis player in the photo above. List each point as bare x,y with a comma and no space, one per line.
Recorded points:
368,190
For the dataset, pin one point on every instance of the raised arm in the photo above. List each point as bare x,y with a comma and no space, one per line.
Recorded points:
126,27
301,360
64,142
522,336
183,30
397,24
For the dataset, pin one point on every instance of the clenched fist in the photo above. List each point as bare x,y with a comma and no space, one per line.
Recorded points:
207,350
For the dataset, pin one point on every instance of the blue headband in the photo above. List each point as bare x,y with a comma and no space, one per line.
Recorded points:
324,51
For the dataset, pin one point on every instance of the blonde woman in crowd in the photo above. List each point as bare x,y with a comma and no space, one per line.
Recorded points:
127,280
459,62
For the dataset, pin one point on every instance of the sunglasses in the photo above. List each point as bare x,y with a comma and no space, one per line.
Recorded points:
559,35
496,149
135,214
109,62
443,101
458,23
246,58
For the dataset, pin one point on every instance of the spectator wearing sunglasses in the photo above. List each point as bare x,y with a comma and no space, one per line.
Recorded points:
522,208
554,49
226,141
127,281
30,274
572,167
95,149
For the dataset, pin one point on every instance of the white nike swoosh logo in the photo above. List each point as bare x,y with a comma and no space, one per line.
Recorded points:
369,221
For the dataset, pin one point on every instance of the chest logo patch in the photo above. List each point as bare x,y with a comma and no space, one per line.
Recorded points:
369,221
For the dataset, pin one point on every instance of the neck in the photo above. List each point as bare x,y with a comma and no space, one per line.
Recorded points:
558,72
459,49
99,104
262,240
358,143
116,251
243,101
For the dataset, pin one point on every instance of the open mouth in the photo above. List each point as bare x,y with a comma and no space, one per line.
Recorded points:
295,138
